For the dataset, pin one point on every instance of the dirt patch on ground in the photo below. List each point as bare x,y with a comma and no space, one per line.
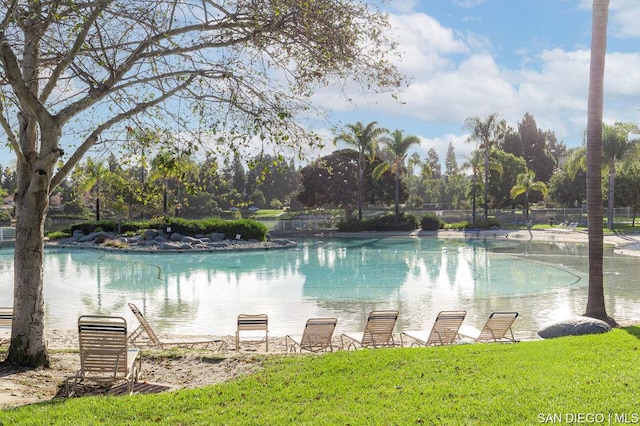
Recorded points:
161,370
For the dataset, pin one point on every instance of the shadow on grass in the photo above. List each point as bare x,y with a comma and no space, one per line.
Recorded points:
84,389
633,330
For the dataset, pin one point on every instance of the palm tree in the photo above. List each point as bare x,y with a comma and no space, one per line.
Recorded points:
473,164
476,164
365,140
616,147
525,183
89,179
414,160
397,145
595,299
486,131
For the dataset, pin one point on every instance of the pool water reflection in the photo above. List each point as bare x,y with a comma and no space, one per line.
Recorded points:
202,293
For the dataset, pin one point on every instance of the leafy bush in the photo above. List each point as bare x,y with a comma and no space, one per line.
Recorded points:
248,229
431,222
58,235
382,223
459,226
116,244
488,224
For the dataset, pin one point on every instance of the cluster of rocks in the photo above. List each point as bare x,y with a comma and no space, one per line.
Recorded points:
158,240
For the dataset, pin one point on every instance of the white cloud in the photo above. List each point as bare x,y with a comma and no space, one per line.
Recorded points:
624,16
404,6
468,4
441,145
425,44
456,76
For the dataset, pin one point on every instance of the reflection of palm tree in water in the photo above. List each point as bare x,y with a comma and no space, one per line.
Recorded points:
363,272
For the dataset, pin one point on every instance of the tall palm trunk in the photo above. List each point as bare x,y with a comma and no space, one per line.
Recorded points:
361,166
610,193
397,195
486,185
595,301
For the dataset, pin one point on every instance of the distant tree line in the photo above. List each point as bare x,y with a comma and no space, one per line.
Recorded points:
511,167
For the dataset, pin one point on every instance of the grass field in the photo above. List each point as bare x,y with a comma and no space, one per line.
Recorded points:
587,379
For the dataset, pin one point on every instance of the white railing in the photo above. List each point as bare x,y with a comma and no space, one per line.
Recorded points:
7,233
305,224
504,217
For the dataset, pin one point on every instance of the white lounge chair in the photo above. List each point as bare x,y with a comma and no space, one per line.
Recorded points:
316,337
444,331
377,333
253,323
496,329
153,341
6,319
104,355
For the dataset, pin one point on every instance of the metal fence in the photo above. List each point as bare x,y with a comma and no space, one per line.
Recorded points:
517,217
503,217
7,233
310,224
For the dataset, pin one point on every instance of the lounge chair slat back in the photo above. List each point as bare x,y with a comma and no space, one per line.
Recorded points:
144,326
379,329
445,328
103,345
318,333
253,322
6,319
498,328
6,316
104,355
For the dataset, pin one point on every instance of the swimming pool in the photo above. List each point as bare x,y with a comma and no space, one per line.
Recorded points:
202,293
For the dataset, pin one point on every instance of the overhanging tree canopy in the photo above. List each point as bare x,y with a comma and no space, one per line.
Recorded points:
70,72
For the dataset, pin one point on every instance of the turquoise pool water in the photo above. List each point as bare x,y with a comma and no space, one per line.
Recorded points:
202,293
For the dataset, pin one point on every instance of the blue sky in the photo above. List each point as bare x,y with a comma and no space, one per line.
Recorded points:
475,57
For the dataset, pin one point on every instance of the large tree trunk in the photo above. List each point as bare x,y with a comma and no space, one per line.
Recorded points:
595,302
34,173
28,344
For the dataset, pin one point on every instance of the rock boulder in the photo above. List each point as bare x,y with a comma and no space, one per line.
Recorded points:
574,327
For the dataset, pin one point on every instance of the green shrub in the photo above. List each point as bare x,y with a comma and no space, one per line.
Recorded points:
431,222
58,235
458,226
382,223
488,224
247,228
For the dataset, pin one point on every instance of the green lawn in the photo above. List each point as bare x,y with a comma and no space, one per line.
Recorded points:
597,377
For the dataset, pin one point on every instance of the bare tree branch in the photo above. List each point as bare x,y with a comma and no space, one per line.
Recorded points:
93,137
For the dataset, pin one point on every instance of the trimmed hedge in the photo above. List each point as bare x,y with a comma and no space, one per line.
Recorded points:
248,229
458,226
488,224
382,223
431,222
